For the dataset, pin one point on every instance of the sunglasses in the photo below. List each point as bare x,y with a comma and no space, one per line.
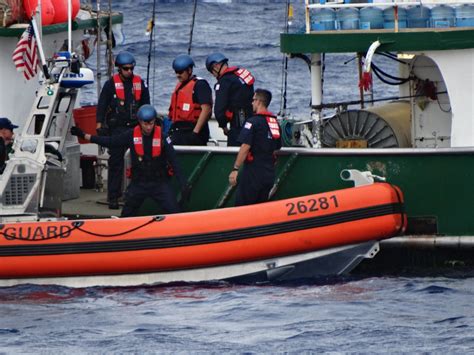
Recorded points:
179,72
127,68
149,123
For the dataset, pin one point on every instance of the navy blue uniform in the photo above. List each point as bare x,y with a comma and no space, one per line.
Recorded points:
182,131
233,96
3,155
149,176
118,118
258,173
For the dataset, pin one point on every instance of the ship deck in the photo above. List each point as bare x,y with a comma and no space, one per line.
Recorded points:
90,204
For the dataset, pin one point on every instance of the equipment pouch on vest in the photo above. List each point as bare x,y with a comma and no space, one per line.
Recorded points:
239,117
112,123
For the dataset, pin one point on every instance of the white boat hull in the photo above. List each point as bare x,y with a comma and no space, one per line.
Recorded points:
333,261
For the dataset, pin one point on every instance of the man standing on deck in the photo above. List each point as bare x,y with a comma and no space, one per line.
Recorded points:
191,105
260,138
152,156
119,101
6,138
234,92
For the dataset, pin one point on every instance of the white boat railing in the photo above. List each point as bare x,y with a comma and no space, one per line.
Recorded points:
386,4
340,4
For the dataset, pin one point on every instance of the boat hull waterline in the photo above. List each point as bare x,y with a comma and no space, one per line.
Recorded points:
206,245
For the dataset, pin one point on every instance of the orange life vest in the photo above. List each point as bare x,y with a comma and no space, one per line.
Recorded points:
274,128
136,88
182,107
272,124
155,145
242,73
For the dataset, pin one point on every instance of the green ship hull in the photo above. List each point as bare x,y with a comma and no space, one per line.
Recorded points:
436,183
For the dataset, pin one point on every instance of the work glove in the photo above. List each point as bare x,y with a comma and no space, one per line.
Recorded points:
102,131
76,131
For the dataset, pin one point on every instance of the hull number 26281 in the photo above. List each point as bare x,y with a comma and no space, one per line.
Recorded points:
311,205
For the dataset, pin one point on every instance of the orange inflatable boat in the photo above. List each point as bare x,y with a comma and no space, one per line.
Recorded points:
310,236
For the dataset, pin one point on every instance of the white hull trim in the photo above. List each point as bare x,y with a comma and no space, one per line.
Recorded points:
425,241
282,268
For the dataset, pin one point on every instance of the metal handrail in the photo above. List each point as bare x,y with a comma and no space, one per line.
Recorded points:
388,4
393,4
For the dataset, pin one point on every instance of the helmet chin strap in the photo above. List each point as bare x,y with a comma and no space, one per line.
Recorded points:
220,68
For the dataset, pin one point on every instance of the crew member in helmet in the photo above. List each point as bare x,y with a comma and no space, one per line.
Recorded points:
234,92
191,105
119,101
152,157
260,138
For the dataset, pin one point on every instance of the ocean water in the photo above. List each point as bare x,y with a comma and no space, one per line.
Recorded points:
400,314
397,315
248,33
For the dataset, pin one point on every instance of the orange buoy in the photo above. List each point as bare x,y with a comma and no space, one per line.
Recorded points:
60,10
47,10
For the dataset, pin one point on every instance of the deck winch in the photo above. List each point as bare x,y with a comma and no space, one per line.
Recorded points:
386,126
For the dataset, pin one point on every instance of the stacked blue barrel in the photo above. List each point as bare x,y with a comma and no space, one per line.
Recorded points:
418,16
465,15
443,16
368,18
389,18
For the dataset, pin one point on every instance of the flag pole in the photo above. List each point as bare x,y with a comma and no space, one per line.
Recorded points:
40,47
38,15
69,26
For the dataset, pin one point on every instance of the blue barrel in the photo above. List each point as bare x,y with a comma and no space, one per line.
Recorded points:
323,20
418,16
370,18
389,18
465,15
347,19
443,16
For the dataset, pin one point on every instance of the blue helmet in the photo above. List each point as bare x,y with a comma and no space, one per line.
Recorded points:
124,58
182,62
147,113
215,58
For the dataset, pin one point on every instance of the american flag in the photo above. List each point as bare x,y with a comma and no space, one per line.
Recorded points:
25,55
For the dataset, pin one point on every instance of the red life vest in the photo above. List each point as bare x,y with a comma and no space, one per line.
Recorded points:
242,73
272,124
245,76
136,88
155,145
182,107
274,128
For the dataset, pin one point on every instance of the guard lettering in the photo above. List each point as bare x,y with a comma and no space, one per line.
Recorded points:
37,233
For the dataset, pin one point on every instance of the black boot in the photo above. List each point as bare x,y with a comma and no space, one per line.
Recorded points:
113,204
